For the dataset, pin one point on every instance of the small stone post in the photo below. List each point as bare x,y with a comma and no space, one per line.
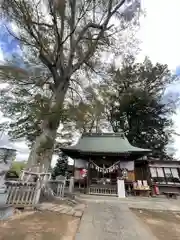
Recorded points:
71,185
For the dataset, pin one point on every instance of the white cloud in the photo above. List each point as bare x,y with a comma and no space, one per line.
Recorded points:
159,31
22,156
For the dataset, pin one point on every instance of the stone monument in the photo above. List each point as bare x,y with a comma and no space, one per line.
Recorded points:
7,156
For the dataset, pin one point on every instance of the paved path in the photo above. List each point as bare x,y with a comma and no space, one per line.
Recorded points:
111,221
136,202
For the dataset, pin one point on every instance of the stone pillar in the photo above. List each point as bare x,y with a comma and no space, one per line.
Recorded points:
121,188
71,185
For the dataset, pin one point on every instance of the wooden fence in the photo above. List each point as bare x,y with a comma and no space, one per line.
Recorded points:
98,190
61,187
22,194
56,188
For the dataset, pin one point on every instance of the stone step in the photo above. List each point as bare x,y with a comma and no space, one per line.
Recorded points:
76,211
78,214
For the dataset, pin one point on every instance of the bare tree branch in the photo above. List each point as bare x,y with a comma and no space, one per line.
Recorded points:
102,27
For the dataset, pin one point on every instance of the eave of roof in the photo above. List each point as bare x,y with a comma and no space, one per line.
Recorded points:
106,144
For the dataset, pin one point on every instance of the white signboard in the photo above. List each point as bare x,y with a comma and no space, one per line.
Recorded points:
79,163
129,165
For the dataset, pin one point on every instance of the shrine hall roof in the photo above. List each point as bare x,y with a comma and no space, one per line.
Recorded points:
110,143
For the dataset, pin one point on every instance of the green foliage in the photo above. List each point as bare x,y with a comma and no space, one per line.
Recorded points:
61,166
15,169
11,175
25,112
88,113
135,104
19,102
18,166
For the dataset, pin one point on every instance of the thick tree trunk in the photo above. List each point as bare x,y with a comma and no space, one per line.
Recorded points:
43,148
40,155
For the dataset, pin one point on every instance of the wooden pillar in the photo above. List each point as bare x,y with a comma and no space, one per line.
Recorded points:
74,167
142,173
149,179
119,174
88,174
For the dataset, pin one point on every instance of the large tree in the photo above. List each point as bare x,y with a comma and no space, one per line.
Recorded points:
87,115
61,39
135,103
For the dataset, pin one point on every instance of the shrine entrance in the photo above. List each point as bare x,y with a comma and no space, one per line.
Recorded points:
110,156
102,178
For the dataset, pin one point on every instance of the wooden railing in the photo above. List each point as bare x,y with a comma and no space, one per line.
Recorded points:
57,187
22,194
99,190
61,187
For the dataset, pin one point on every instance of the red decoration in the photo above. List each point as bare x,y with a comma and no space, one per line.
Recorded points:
83,172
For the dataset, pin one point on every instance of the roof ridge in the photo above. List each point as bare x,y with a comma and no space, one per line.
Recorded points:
119,134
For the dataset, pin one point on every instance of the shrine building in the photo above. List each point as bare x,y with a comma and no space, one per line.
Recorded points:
105,157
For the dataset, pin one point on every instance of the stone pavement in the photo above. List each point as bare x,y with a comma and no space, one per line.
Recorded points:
76,210
136,202
161,204
111,221
109,218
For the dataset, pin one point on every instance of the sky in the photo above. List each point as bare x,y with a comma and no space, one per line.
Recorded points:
160,40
